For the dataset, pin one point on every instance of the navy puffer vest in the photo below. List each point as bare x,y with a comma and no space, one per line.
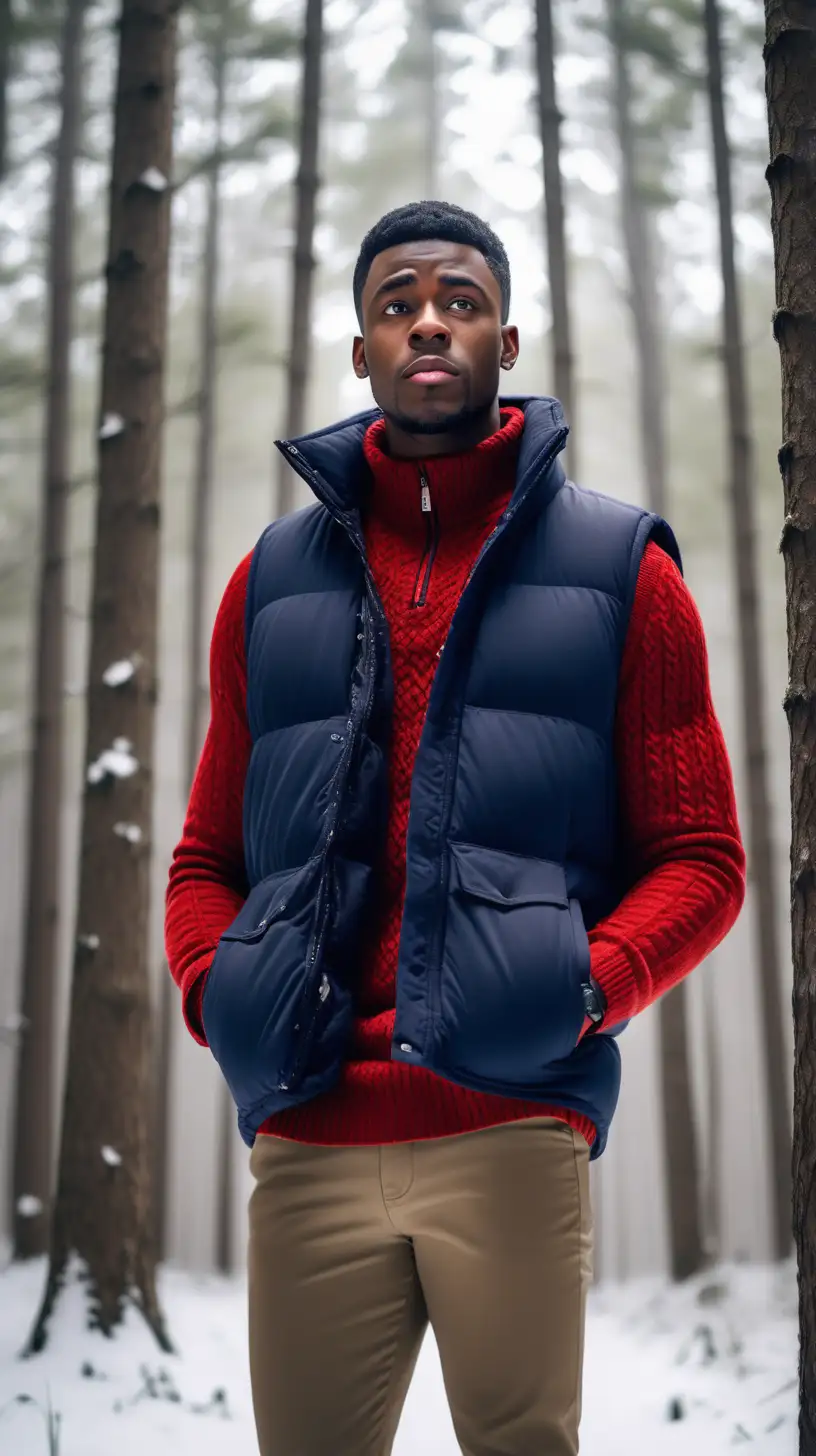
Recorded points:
513,845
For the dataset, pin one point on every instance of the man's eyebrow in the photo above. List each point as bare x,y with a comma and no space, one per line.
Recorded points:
462,280
397,280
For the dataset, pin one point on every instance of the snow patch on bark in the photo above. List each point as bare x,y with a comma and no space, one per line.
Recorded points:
112,425
116,762
131,832
15,1022
29,1205
154,180
119,672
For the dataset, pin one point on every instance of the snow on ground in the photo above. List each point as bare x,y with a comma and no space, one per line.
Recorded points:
718,1354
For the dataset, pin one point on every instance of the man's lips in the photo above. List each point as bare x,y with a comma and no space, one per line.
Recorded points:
430,370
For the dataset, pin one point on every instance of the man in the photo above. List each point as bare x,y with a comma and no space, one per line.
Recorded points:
464,808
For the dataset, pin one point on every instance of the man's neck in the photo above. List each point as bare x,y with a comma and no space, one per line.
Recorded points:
403,444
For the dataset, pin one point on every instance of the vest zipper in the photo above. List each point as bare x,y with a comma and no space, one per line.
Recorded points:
420,594
309,1002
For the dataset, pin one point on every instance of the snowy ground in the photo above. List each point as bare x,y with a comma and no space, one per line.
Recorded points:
719,1355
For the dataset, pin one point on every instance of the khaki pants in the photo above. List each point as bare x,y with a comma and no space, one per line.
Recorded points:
353,1250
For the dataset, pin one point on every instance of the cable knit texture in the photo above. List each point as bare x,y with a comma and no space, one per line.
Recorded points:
679,823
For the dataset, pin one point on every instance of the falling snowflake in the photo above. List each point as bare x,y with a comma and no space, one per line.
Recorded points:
112,425
131,832
111,1157
154,180
119,673
116,762
88,942
29,1206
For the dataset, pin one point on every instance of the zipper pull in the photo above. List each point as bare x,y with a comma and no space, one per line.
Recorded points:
426,493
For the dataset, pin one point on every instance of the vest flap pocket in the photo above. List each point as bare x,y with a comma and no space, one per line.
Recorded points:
265,902
505,879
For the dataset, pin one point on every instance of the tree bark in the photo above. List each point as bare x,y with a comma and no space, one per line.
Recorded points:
306,189
741,499
6,30
682,1166
790,66
712,1218
196,694
103,1213
554,225
34,1111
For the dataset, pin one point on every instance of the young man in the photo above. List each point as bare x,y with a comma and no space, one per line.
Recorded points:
464,808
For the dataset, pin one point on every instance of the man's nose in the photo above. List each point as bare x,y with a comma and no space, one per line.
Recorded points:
429,327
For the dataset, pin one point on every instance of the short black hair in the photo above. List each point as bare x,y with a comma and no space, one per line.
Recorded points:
443,220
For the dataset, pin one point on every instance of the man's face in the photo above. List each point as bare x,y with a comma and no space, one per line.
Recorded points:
433,339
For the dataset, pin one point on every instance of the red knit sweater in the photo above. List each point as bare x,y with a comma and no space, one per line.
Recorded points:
677,803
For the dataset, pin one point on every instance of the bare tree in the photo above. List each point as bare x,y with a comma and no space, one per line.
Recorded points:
741,499
103,1212
34,1111
299,353
790,67
679,1126
554,224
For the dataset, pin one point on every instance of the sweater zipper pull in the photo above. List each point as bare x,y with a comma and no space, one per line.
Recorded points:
426,493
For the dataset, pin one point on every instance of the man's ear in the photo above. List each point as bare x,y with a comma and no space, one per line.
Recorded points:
510,346
358,358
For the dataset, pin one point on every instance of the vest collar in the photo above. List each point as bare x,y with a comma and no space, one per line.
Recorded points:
333,462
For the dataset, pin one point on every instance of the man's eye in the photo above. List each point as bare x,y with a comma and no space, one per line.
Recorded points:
398,303
468,303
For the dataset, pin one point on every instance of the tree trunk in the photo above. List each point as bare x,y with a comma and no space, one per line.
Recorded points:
712,1219
679,1127
790,61
430,103
196,695
103,1213
550,125
6,29
306,188
34,1112
741,495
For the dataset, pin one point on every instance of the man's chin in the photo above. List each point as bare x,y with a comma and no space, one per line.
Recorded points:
440,423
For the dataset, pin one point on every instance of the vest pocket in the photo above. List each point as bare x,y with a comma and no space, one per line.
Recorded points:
256,980
514,957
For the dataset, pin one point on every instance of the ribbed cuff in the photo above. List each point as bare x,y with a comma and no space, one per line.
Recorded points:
612,964
192,992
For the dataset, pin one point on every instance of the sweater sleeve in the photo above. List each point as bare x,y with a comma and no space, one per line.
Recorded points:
678,810
207,883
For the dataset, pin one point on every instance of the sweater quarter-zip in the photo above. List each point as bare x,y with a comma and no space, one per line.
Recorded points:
423,576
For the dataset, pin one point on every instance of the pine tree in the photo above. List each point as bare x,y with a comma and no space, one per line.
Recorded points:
303,262
555,227
631,34
218,26
790,66
742,490
103,1214
34,1118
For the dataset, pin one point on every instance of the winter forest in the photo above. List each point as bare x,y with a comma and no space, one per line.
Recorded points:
183,192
